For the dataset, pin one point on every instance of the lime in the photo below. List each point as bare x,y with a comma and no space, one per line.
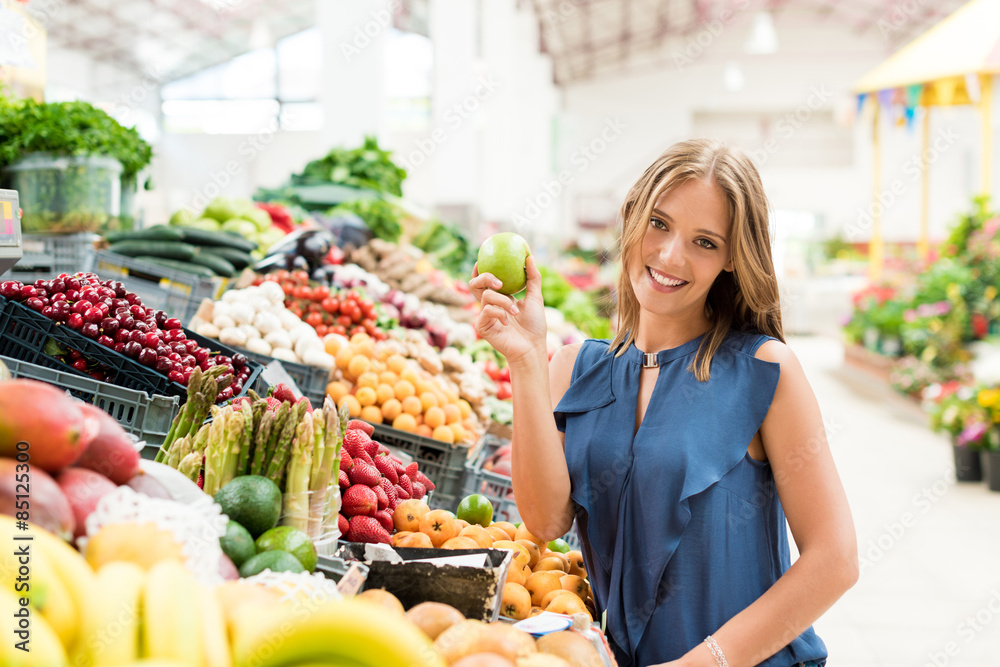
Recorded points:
275,561
292,540
237,543
476,509
559,545
252,501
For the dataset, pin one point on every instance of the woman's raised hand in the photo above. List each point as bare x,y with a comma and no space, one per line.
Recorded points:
513,328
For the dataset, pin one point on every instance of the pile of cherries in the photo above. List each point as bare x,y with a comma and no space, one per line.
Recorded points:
108,313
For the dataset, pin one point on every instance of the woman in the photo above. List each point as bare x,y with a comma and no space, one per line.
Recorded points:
681,446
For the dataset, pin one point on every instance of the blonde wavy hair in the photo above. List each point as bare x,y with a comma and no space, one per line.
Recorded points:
745,299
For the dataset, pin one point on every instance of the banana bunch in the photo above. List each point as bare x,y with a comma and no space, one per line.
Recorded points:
113,617
336,632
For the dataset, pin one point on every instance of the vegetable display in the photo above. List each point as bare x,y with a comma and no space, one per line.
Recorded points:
190,250
241,219
367,166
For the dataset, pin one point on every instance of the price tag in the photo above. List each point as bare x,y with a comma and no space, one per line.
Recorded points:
352,581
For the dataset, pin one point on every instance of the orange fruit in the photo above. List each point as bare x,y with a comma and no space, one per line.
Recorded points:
372,414
574,584
412,405
368,379
410,375
552,595
407,515
439,525
358,365
576,565
452,413
391,409
444,434
567,604
460,542
507,527
533,552
457,431
478,534
434,416
366,396
336,390
424,431
516,602
353,407
541,584
465,408
405,422
404,389
396,363
387,377
551,564
497,533
521,555
522,533
344,356
413,541
384,392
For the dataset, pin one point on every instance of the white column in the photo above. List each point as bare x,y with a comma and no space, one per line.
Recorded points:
353,95
459,96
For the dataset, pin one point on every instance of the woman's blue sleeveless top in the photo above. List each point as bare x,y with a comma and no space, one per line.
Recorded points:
680,528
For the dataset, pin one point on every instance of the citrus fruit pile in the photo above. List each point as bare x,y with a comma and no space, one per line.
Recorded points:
382,386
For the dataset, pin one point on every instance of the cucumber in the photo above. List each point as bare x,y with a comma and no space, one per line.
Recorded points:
155,233
239,259
177,265
214,262
201,237
165,249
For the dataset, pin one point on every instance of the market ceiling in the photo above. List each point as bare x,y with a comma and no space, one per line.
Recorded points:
591,38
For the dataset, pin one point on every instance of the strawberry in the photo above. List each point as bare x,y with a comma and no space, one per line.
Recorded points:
418,490
344,480
309,407
423,479
390,492
384,466
282,392
382,450
357,424
398,466
354,441
345,460
385,518
359,500
401,492
363,456
383,499
404,481
343,524
411,471
238,402
272,404
367,529
372,448
362,473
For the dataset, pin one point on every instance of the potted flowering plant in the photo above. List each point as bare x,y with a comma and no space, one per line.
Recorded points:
988,400
954,409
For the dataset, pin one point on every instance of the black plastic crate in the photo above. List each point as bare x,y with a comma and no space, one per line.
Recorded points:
444,464
147,417
48,255
176,293
497,488
310,380
24,333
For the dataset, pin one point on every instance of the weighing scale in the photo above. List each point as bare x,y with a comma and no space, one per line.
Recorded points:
10,230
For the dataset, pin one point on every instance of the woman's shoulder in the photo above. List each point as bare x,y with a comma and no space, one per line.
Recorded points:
755,344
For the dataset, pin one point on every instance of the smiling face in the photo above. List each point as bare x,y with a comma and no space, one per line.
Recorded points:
685,247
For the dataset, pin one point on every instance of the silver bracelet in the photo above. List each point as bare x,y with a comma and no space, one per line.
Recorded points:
713,646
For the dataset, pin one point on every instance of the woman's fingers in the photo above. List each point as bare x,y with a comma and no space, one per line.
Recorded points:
492,298
492,313
534,278
482,282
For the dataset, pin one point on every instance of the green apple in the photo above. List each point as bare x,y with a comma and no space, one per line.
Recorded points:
504,255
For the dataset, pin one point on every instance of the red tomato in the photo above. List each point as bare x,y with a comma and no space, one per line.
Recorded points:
344,321
369,328
320,292
313,307
300,277
338,330
295,310
303,292
314,320
367,309
330,305
322,330
288,288
368,323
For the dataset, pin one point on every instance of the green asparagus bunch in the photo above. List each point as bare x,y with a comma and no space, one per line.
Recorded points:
202,392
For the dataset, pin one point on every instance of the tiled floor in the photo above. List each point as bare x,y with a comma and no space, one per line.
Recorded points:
929,593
